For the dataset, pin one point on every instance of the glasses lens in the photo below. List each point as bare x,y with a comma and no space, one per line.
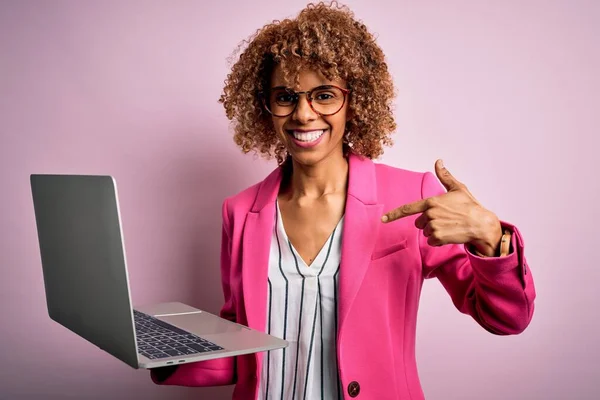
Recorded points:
282,101
327,100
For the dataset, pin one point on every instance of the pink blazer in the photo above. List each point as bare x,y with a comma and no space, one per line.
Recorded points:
382,271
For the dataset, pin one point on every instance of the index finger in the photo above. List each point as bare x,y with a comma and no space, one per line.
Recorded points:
405,210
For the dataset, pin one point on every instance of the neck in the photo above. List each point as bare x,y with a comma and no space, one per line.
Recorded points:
328,176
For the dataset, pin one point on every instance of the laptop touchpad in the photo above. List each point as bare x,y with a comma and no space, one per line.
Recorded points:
201,323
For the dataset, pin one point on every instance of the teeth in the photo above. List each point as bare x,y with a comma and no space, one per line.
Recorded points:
307,136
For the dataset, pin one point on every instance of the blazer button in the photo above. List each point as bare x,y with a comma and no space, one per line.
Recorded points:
353,389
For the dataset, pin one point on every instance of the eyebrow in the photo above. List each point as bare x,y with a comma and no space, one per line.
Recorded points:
318,86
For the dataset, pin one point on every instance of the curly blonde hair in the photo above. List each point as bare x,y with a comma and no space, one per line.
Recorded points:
325,38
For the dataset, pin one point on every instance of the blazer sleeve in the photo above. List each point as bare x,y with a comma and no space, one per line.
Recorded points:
498,292
215,372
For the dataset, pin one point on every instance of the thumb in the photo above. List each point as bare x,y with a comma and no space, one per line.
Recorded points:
449,181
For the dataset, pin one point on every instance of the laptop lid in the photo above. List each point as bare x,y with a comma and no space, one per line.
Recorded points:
83,260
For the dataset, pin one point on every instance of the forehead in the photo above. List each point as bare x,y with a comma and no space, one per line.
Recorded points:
307,79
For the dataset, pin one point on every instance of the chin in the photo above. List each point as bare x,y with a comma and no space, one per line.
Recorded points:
311,158
308,159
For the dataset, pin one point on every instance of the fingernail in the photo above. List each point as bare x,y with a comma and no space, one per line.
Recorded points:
384,218
442,163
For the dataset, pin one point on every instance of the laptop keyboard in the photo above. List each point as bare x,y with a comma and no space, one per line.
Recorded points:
157,339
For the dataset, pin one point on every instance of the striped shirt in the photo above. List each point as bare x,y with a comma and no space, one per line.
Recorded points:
302,308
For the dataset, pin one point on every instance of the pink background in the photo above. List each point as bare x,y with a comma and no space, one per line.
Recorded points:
506,92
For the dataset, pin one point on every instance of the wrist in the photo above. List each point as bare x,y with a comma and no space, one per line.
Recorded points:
485,249
487,243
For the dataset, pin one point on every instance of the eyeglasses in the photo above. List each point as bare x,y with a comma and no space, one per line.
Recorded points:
324,100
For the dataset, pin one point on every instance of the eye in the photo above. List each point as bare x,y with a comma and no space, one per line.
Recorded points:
327,95
284,98
324,96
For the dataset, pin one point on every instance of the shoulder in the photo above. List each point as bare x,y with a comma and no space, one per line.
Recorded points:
395,181
384,172
242,201
254,197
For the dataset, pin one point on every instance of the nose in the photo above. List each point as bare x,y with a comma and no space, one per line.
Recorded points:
303,112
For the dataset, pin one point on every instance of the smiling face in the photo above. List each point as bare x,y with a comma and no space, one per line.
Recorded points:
308,136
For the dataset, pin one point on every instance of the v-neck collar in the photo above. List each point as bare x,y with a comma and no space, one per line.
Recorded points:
317,265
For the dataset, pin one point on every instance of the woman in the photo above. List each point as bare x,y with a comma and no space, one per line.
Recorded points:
330,251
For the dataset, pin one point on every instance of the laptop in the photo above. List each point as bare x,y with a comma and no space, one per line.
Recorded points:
87,286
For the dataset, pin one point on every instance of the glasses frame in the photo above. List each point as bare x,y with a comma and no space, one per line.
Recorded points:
308,94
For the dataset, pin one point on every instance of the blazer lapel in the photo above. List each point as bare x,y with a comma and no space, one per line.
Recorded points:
361,225
256,243
258,230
